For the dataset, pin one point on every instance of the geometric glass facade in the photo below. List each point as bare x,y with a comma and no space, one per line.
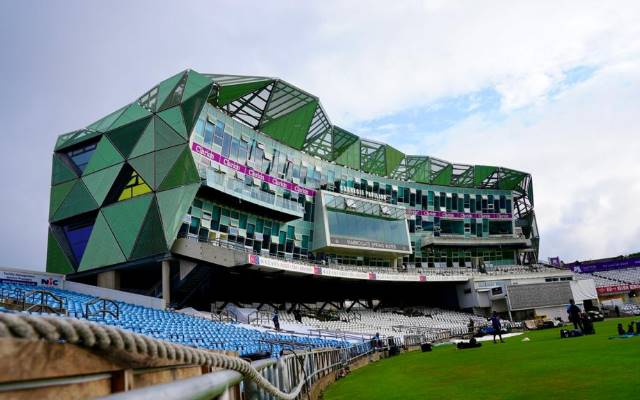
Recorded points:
248,160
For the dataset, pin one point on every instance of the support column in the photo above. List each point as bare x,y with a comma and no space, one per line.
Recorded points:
166,283
109,280
394,263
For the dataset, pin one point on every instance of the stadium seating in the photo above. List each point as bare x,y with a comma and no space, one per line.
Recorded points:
433,324
182,328
625,275
612,277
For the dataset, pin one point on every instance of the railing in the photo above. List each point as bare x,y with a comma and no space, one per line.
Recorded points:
411,268
228,185
44,301
101,307
284,373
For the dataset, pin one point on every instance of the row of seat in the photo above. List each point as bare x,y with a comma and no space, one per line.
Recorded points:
178,327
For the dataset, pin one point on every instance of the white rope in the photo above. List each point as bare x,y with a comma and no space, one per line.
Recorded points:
104,337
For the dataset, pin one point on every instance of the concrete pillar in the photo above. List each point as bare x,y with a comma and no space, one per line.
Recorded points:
109,280
166,283
394,263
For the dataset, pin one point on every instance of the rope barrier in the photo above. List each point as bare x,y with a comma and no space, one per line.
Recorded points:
92,335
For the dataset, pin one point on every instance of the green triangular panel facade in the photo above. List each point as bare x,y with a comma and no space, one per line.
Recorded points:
195,83
145,166
105,156
58,194
227,94
511,180
444,176
126,137
78,201
146,142
191,108
133,113
79,136
173,205
165,160
99,183
125,220
61,172
393,158
151,238
165,88
105,123
175,96
63,139
482,172
57,261
173,117
102,248
292,128
183,172
350,157
165,136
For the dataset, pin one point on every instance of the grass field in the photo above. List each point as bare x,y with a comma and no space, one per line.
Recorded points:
546,367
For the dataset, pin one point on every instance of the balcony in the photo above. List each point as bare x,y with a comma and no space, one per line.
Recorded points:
253,198
461,240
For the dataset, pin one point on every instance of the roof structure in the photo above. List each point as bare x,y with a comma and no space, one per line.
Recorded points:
296,118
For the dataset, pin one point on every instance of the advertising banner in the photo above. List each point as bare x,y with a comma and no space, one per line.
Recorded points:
618,288
371,244
31,279
604,265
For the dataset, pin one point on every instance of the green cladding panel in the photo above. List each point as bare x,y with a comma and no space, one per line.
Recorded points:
350,156
166,87
133,113
173,205
78,201
145,167
165,136
195,84
125,138
227,94
99,183
393,158
165,159
61,170
151,238
444,176
482,172
57,261
173,117
146,142
183,172
105,156
102,248
58,194
292,128
125,220
192,106
105,123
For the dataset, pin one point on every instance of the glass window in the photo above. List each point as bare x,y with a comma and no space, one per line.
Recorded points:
134,187
359,227
226,145
208,134
219,133
80,156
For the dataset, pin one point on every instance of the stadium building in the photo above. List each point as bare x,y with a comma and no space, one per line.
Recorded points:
215,188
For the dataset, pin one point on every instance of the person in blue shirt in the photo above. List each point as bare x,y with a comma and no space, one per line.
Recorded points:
497,327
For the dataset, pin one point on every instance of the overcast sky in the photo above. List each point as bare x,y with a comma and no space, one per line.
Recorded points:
551,88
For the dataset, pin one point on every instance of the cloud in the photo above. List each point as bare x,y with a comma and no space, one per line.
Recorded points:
582,151
367,61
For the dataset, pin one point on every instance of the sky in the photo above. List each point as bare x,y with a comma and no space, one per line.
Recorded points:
551,88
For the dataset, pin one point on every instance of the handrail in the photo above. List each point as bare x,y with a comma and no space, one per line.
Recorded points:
411,270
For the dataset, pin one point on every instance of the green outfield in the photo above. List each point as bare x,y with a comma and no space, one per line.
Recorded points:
546,367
